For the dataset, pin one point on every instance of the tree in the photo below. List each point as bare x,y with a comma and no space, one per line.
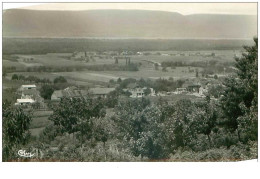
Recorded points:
60,79
119,80
147,91
239,102
178,124
15,77
21,77
112,81
74,115
141,128
4,73
216,90
204,119
16,124
46,91
112,98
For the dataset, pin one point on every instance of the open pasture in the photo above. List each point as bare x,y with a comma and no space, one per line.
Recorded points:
17,65
105,76
62,59
189,56
50,60
146,68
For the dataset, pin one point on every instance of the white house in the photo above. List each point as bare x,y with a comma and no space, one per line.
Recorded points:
27,87
140,92
24,101
181,90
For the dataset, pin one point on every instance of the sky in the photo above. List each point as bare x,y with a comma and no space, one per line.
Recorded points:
182,8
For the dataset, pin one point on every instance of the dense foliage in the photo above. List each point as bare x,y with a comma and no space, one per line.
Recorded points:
239,102
46,91
15,130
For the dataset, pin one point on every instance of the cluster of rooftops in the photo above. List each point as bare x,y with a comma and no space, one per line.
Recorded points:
29,93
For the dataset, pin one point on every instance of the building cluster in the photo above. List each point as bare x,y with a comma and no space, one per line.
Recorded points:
199,89
74,92
137,92
29,95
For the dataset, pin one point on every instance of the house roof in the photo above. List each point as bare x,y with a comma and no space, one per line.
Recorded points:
58,93
101,90
69,93
25,101
29,86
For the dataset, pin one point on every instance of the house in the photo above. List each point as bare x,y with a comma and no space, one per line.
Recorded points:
29,94
140,92
57,95
24,102
27,87
101,92
162,93
193,88
202,91
181,90
70,92
137,92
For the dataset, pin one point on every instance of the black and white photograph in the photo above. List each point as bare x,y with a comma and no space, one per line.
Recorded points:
130,82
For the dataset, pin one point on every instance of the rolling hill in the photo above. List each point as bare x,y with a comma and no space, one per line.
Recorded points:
125,24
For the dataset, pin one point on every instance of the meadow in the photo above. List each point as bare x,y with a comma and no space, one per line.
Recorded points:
147,70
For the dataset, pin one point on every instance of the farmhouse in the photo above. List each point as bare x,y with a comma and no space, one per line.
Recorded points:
203,91
57,95
27,87
70,92
24,102
181,90
29,94
137,92
101,92
193,88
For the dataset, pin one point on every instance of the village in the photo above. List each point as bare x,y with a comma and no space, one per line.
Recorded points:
30,95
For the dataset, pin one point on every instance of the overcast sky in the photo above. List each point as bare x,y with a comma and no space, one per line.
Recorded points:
182,8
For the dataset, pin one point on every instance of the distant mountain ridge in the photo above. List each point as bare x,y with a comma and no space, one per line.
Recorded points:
125,24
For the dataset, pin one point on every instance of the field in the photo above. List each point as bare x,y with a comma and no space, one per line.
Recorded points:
105,76
146,62
39,122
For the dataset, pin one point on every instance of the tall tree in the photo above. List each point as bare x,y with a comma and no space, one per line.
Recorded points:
16,124
74,115
239,102
46,91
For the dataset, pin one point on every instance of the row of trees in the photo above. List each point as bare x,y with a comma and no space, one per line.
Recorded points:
30,78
